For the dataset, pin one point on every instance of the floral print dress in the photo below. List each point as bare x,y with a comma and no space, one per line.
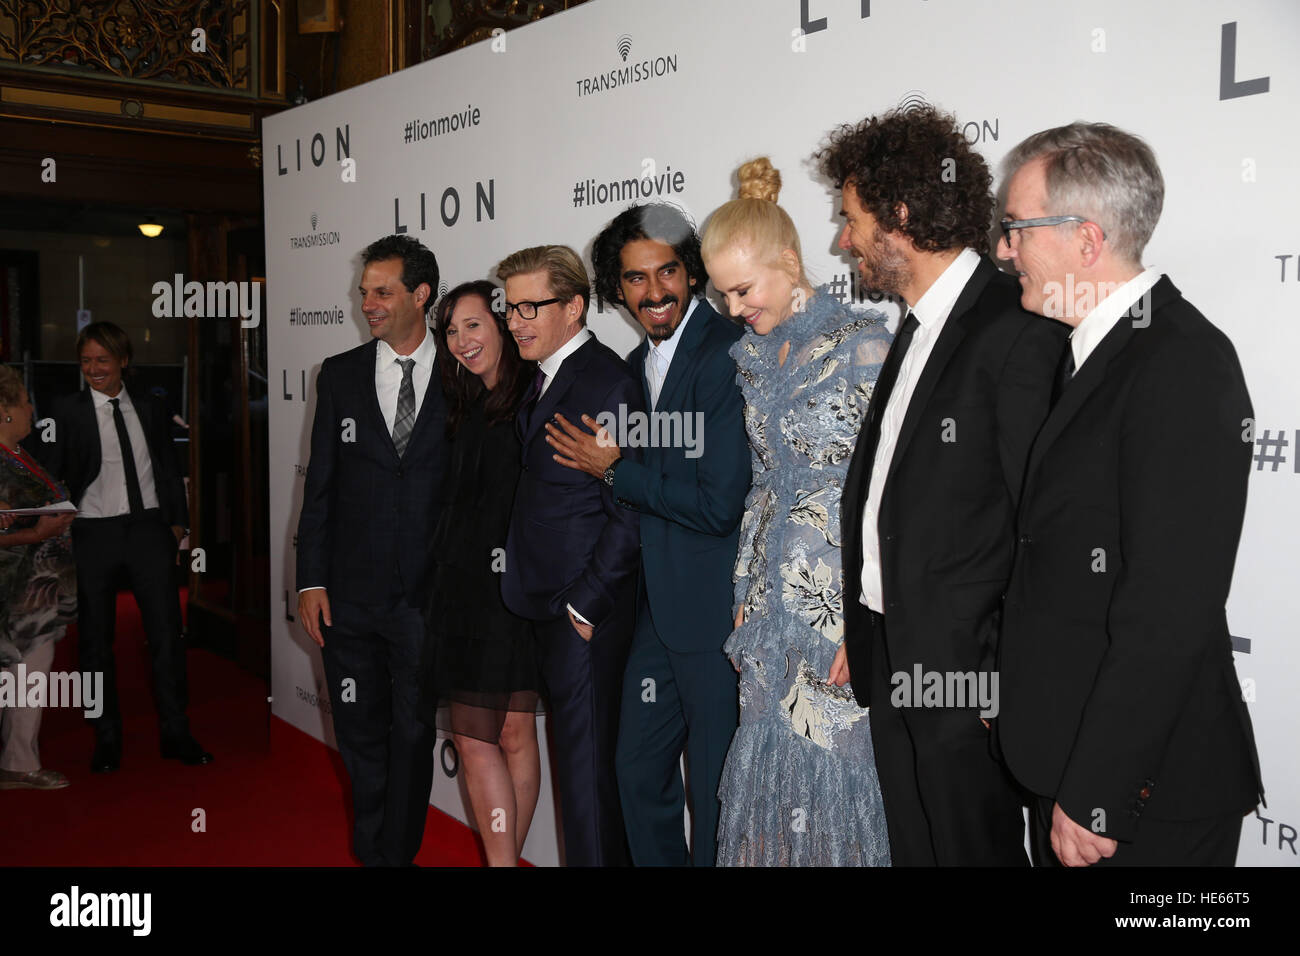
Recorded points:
38,582
799,787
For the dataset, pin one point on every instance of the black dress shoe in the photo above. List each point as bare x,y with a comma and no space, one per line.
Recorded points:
107,756
186,750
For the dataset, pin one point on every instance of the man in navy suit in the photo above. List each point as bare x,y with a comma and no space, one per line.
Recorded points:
679,689
572,553
370,501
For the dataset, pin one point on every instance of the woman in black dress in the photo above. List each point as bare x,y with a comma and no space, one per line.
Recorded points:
481,666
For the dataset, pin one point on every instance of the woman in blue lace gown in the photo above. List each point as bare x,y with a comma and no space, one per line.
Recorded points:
799,787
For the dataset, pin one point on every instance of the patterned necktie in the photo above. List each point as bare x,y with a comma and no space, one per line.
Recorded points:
1064,372
884,388
404,420
133,495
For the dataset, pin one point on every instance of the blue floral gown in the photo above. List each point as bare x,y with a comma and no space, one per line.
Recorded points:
799,786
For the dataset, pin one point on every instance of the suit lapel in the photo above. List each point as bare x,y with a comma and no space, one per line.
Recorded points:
367,385
565,377
638,362
684,356
432,396
954,331
1089,378
88,426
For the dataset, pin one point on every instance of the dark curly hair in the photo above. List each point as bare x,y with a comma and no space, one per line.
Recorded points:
917,157
418,263
662,222
514,377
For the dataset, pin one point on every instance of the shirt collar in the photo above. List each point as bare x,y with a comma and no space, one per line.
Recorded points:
668,347
551,364
1097,323
933,307
100,399
424,352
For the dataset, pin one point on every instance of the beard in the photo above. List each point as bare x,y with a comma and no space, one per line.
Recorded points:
662,333
884,268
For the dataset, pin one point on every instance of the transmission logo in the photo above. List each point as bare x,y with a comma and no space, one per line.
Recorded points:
632,72
912,100
974,131
313,239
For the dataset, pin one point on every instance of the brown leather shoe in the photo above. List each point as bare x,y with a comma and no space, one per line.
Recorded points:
32,780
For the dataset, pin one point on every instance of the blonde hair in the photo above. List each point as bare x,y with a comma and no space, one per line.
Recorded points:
754,220
565,273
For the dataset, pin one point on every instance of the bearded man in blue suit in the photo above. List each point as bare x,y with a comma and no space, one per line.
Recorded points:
679,689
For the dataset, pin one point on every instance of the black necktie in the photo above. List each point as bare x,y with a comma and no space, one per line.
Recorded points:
133,496
1064,373
885,387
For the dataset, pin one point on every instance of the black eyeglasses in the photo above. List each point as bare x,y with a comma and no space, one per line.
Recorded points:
1011,224
528,310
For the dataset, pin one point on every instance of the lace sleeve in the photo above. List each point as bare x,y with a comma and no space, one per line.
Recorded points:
745,556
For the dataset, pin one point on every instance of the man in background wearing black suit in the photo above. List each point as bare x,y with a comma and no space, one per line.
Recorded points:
1121,708
113,447
370,502
572,552
929,502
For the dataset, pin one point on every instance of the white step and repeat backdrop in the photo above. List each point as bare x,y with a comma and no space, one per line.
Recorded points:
547,132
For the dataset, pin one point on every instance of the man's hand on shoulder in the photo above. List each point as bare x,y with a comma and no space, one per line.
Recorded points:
590,451
314,604
1075,845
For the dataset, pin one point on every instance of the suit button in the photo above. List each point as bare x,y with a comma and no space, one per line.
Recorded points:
1026,540
399,471
889,537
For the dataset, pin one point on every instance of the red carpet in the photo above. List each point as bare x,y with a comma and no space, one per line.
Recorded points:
272,797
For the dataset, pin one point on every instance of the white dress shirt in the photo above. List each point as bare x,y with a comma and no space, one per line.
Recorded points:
931,311
388,376
659,356
1097,323
106,497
